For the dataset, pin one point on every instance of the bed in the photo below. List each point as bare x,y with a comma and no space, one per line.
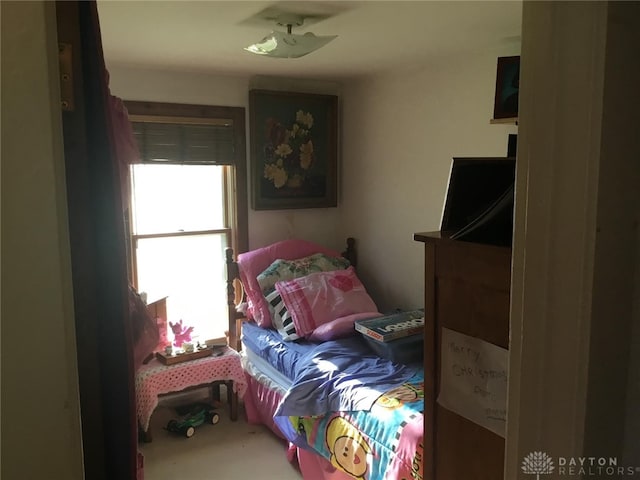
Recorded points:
345,412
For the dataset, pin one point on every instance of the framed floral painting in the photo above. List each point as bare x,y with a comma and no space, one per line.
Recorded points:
294,149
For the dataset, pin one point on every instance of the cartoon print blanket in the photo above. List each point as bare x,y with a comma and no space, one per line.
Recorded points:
362,413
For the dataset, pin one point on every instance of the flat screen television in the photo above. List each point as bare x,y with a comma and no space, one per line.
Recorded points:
479,201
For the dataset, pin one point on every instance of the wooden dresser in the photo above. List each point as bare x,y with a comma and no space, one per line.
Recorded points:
467,290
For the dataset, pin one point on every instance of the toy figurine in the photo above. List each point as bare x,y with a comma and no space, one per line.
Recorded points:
181,334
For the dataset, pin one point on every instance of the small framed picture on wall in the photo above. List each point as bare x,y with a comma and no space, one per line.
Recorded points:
507,87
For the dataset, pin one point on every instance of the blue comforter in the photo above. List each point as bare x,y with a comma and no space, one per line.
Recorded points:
341,375
360,412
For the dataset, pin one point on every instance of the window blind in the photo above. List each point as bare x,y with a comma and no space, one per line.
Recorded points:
195,144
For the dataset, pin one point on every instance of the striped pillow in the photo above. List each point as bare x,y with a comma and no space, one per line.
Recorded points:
280,317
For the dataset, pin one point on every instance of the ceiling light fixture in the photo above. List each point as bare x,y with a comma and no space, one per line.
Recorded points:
289,45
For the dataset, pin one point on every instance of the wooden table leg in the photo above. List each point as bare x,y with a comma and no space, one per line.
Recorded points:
215,392
144,435
232,400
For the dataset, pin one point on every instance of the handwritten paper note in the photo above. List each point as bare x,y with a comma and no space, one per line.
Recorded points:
473,380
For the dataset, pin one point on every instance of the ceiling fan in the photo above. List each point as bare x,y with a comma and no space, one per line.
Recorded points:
289,45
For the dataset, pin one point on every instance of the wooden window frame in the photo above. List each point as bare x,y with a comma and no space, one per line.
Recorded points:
235,180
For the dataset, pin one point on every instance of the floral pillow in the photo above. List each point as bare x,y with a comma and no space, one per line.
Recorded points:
281,270
251,264
320,298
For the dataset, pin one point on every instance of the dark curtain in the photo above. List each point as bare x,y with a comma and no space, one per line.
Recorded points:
98,250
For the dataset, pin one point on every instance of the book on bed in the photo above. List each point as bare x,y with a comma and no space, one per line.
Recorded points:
392,327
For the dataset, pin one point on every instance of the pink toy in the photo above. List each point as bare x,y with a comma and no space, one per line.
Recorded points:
181,334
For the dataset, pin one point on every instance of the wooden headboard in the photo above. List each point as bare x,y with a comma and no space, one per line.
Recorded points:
236,294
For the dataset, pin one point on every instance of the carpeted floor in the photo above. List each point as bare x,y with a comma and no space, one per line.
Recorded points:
225,451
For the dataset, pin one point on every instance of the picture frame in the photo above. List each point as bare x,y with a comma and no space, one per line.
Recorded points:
294,150
507,87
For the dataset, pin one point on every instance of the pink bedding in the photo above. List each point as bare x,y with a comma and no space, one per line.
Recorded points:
340,327
404,464
253,263
384,440
260,403
315,467
320,298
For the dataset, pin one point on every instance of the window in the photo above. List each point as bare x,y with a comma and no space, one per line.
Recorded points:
188,204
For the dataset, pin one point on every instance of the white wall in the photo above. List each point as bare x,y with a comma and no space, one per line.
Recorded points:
41,435
574,303
162,86
400,134
614,353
